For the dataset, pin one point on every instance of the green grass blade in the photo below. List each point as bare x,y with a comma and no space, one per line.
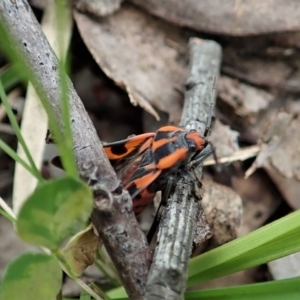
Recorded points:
6,211
58,133
6,215
270,242
273,290
84,295
63,21
105,273
65,147
17,131
117,293
60,19
16,157
10,76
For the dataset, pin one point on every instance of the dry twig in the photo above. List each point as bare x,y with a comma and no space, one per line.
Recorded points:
184,220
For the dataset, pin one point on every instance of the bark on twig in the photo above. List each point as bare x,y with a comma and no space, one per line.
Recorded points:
184,220
112,216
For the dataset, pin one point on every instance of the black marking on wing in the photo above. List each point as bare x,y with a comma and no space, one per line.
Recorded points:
118,149
132,189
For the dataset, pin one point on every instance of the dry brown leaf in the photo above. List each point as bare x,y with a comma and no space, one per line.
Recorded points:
132,48
239,102
274,136
289,187
224,139
284,165
34,114
282,74
285,267
34,136
260,200
80,251
224,210
280,156
229,17
98,7
245,99
287,39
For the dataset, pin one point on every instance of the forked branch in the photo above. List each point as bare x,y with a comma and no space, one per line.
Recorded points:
184,221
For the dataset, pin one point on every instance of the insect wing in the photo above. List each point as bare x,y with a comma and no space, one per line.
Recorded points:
137,188
144,175
129,147
131,154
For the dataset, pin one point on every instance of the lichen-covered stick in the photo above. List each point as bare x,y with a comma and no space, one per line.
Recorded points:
184,221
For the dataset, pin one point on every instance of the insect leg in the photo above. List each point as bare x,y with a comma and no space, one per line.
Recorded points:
202,155
165,195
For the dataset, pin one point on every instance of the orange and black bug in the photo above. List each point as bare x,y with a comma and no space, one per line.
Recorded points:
149,159
145,162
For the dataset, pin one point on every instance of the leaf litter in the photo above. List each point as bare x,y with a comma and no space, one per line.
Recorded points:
147,57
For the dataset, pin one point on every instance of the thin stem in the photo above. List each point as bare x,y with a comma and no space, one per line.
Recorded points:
87,289
104,271
8,150
7,211
105,260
